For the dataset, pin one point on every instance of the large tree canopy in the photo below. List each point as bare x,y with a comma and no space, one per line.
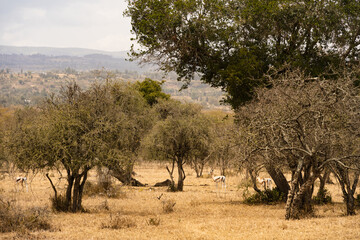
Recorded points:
78,130
232,43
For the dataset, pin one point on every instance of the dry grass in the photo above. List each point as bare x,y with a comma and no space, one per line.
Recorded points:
200,213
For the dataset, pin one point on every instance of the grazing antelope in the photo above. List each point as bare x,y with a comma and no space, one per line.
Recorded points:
22,181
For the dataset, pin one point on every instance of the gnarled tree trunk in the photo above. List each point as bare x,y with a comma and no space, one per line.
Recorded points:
279,178
181,175
299,198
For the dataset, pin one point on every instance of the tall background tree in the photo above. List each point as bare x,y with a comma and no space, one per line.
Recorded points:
232,43
180,135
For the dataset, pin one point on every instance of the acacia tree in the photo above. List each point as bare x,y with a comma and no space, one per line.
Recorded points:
177,138
78,130
233,43
309,124
151,91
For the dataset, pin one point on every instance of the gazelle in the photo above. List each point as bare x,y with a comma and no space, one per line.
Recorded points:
218,179
22,181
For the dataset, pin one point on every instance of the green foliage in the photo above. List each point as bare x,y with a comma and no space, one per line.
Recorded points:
151,91
81,129
266,197
232,43
322,197
183,132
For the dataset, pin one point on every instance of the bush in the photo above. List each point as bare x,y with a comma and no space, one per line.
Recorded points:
266,197
322,197
14,219
118,222
102,189
153,221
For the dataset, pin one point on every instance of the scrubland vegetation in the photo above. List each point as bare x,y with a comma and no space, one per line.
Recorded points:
289,150
92,156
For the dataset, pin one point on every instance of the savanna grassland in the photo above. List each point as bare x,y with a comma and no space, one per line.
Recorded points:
200,212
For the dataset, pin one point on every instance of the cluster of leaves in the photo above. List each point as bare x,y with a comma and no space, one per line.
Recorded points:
151,91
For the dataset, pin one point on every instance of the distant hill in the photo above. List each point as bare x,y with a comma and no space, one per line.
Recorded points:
49,51
81,59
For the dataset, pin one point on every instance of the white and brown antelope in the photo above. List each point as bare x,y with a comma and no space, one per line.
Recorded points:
21,181
218,179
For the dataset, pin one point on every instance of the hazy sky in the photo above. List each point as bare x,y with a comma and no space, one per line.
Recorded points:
65,23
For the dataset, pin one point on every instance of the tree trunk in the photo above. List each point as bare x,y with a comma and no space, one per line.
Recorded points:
81,189
181,175
76,197
348,189
350,204
197,170
299,198
279,179
253,180
68,190
324,180
291,195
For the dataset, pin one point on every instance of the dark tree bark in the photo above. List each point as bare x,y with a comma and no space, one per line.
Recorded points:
69,187
181,175
279,178
299,198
